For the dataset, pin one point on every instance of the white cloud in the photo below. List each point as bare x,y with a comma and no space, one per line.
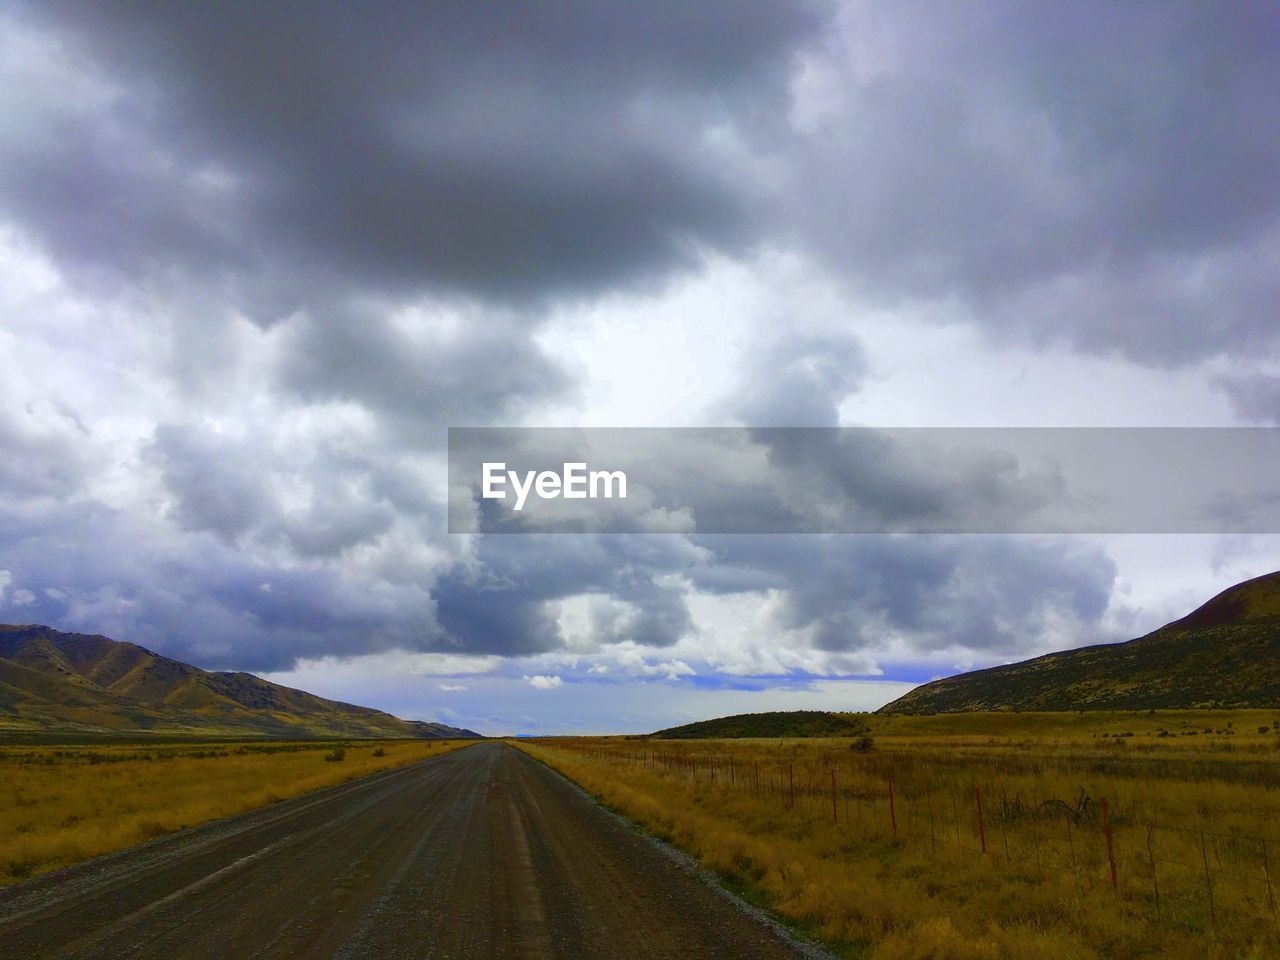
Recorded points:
332,673
633,661
542,681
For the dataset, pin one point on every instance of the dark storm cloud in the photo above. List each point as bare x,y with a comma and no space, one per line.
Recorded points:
97,570
894,480
798,381
1255,397
486,370
322,170
40,461
992,595
214,481
493,150
1095,175
1104,179
499,602
318,505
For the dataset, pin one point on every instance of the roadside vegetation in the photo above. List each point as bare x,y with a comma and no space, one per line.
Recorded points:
979,836
63,804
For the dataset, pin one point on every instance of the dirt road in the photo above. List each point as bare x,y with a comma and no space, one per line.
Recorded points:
479,853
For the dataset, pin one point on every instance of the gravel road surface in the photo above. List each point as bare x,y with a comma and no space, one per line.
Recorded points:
479,853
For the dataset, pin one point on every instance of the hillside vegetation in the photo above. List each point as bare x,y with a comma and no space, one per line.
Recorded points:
1096,836
1225,654
781,723
74,684
61,805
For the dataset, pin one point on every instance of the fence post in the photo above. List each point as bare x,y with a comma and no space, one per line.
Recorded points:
982,827
1155,886
1208,880
1077,883
1111,853
1035,840
1266,872
933,834
1004,830
893,812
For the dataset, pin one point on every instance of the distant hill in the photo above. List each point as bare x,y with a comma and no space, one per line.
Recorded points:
74,683
781,723
1225,653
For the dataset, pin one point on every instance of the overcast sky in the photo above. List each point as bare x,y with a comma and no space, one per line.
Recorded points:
254,260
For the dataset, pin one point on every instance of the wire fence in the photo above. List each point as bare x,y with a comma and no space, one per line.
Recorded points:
1198,876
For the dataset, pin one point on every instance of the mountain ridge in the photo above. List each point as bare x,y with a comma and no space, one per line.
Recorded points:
55,682
1223,654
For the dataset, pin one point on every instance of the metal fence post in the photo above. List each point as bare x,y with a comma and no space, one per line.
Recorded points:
1111,853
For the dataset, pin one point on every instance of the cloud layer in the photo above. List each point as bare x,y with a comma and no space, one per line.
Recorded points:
253,262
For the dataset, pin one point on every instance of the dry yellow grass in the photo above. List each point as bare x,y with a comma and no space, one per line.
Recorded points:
832,861
61,805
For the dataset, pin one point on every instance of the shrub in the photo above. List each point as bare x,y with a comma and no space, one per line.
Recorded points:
863,744
379,752
337,755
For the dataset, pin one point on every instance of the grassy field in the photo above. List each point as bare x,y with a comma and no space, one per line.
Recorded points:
976,837
63,804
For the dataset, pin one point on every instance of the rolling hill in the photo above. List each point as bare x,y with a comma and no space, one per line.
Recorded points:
1225,653
780,723
54,683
